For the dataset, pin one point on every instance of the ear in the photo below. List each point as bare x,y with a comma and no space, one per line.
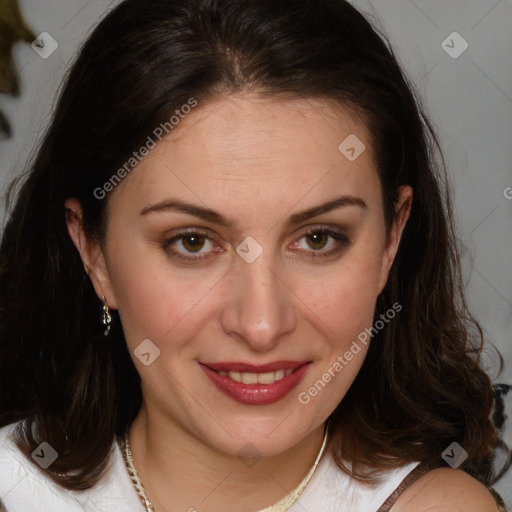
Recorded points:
90,252
402,211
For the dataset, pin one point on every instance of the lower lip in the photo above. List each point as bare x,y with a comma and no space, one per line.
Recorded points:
256,394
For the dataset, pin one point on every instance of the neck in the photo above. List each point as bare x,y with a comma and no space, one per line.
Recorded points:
180,472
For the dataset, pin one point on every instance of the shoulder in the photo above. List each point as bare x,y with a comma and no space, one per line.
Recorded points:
446,490
24,486
21,483
12,462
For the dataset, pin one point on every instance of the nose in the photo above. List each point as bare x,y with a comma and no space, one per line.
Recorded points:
260,309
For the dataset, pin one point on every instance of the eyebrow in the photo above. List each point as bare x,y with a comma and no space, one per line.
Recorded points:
210,215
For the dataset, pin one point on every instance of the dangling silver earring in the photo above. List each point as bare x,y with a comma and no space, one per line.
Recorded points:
106,318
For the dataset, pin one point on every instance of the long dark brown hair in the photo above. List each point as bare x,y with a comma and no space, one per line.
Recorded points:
421,386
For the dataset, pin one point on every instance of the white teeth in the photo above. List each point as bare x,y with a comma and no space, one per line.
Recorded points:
266,378
257,378
249,378
235,376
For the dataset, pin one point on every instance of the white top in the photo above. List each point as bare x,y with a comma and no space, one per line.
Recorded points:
24,487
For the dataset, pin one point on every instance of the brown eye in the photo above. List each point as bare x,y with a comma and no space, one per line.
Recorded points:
317,240
191,246
193,242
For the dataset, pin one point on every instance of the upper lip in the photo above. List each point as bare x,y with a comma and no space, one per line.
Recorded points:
252,368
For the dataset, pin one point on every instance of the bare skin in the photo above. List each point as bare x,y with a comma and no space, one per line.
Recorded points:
257,162
444,490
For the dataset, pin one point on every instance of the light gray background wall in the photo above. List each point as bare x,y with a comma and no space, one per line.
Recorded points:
469,99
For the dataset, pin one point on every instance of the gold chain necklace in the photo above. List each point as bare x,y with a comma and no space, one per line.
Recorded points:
281,506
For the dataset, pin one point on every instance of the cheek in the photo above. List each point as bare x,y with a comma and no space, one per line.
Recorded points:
153,298
345,296
345,309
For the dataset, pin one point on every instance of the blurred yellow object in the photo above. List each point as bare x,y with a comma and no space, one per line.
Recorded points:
13,29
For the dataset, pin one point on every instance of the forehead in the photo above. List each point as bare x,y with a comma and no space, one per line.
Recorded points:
266,147
250,127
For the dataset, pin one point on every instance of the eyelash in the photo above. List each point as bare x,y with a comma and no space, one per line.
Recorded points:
340,238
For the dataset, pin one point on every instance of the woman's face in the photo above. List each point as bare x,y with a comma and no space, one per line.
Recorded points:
247,243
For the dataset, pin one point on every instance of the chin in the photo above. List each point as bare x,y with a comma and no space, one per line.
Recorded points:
267,437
